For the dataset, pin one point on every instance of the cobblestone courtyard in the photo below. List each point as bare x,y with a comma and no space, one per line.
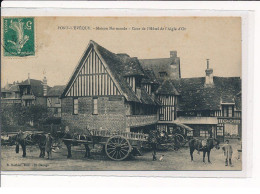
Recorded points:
172,160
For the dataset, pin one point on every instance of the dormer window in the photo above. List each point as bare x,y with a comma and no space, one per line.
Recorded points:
163,74
148,88
131,82
135,83
228,110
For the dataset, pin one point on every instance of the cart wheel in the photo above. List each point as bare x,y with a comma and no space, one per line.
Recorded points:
118,148
180,140
163,147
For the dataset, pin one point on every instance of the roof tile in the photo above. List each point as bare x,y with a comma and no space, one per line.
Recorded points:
195,96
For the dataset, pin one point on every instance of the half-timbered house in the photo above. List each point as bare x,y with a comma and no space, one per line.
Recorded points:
109,91
210,105
167,95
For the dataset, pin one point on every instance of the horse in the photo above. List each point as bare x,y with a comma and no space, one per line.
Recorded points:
25,139
66,138
204,145
40,139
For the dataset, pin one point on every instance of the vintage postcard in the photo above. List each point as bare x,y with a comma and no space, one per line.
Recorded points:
121,93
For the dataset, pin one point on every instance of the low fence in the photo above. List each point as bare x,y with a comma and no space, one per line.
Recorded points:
127,135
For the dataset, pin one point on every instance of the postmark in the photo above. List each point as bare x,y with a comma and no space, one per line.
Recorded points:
19,36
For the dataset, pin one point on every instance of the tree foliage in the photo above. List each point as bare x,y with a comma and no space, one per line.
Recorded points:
17,115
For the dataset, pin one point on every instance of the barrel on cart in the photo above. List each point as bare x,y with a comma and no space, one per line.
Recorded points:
118,145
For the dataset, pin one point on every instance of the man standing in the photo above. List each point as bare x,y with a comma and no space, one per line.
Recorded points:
239,150
227,148
48,145
152,139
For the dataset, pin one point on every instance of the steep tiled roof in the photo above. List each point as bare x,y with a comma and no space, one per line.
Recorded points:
195,96
56,91
36,85
149,77
120,66
146,98
169,65
167,88
118,70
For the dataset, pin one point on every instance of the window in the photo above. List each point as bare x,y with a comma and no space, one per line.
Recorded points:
59,112
190,133
75,106
219,131
95,106
198,114
204,133
28,103
56,100
161,117
16,95
162,74
230,111
227,110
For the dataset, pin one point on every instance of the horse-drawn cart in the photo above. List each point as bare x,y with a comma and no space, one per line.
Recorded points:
173,136
117,145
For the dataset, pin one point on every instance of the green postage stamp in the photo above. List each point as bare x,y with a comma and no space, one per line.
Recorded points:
18,39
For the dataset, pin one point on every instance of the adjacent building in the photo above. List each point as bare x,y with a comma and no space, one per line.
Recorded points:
27,93
210,105
54,101
33,92
164,68
11,94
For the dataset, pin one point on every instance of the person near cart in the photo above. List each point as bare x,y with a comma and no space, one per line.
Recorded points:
153,135
228,151
48,145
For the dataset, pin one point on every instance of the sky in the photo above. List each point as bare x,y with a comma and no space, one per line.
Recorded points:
59,46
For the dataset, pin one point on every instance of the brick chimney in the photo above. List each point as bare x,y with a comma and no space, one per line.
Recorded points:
173,54
29,80
44,83
209,75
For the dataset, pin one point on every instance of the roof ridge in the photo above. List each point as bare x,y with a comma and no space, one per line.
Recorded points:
155,58
96,44
186,78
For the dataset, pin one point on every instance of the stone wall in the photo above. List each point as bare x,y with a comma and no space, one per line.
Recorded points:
111,113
